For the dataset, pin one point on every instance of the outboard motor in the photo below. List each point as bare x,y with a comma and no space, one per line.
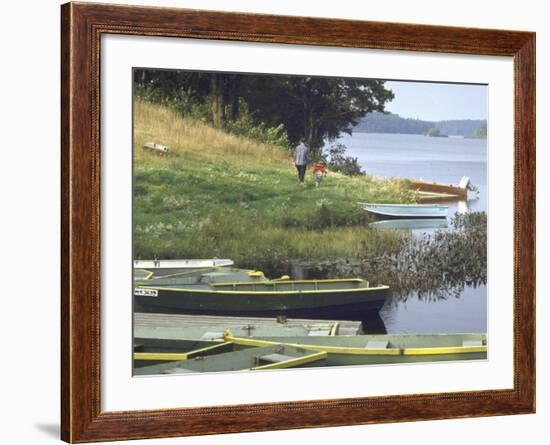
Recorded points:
465,183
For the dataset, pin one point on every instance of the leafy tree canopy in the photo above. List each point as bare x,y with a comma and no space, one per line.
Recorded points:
316,108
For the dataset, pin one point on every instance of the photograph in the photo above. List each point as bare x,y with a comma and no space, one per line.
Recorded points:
297,221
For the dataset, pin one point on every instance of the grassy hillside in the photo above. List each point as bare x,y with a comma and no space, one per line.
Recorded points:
218,195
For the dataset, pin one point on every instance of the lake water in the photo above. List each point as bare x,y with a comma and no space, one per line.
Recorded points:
443,160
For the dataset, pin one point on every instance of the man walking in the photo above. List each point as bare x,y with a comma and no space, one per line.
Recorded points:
300,159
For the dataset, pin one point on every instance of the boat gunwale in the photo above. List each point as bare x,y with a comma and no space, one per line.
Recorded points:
236,292
309,356
179,356
403,205
196,271
147,277
352,350
279,281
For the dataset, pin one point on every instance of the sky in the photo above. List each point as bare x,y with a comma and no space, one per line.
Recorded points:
437,101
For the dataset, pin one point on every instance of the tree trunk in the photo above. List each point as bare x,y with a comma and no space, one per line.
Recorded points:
217,97
233,96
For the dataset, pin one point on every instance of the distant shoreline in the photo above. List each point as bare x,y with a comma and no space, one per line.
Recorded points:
416,134
388,123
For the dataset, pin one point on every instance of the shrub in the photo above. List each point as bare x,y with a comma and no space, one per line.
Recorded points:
338,161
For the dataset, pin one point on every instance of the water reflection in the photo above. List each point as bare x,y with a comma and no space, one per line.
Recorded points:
410,224
439,305
436,266
432,269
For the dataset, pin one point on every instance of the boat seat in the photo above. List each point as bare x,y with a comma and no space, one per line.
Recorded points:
372,344
276,358
466,343
347,330
212,336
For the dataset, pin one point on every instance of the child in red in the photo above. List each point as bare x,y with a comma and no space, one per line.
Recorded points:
319,170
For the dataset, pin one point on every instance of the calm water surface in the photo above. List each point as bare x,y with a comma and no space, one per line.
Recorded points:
443,160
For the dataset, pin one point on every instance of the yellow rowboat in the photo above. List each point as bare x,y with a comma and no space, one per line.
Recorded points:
214,359
245,353
380,349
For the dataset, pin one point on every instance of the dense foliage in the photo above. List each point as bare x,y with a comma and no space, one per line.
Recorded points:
287,107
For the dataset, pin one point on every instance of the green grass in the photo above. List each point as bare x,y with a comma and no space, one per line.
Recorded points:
218,195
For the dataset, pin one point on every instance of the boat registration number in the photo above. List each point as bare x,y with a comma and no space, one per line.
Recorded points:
146,292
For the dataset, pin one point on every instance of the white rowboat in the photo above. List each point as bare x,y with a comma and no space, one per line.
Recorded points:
408,211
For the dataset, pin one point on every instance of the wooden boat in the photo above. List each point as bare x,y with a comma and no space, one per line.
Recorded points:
150,328
381,349
437,192
181,264
171,337
146,269
225,291
406,211
257,358
410,224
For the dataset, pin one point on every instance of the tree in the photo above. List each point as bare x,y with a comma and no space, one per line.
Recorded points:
224,97
316,108
217,98
339,162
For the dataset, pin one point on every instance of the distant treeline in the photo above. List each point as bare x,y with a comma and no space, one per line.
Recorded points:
393,123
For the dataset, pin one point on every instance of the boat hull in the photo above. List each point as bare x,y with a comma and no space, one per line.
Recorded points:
410,224
447,189
382,349
412,211
330,304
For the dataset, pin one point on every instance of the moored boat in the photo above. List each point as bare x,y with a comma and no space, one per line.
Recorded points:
224,291
431,192
154,329
182,264
406,211
146,269
410,224
257,358
301,351
381,349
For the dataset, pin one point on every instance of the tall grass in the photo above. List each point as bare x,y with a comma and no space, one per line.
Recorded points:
192,138
219,195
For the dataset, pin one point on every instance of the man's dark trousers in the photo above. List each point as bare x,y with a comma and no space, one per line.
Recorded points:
301,172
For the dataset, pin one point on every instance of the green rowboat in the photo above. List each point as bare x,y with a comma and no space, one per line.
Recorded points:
225,291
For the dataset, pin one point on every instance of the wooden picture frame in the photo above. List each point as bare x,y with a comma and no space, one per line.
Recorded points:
82,26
